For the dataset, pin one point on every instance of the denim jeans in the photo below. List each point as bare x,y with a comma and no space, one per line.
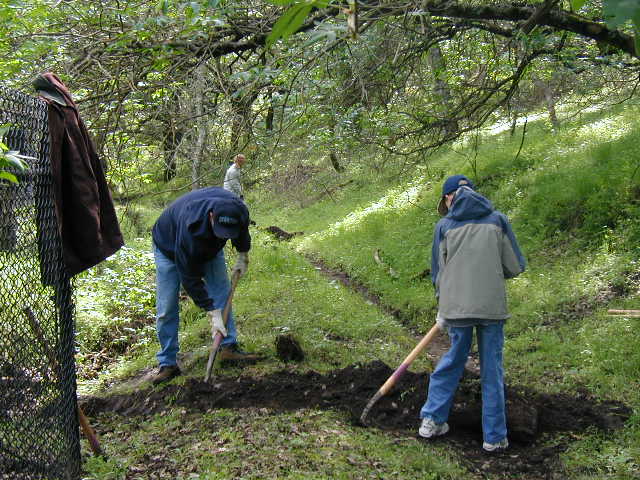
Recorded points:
445,378
168,307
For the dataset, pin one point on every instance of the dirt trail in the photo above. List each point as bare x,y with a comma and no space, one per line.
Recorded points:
535,420
438,346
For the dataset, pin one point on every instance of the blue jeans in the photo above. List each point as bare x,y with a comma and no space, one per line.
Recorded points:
445,378
168,307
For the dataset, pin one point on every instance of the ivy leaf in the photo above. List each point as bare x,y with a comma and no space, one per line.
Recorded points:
163,6
281,3
327,34
194,8
577,4
14,159
290,22
9,176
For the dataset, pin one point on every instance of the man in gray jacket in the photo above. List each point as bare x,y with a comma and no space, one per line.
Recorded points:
474,251
232,179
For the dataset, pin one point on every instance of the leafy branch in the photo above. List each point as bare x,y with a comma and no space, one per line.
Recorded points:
10,159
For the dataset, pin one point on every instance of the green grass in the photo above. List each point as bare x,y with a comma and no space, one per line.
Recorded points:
282,293
222,444
573,199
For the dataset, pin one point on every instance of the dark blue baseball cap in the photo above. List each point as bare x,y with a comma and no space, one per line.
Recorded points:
228,221
452,184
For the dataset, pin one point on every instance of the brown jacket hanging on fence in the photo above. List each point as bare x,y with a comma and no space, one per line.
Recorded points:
86,216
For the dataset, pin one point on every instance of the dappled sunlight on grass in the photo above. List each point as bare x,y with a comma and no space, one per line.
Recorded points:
392,203
611,128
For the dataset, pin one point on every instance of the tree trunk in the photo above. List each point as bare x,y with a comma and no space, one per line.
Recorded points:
201,126
241,131
170,143
547,92
333,157
440,85
268,121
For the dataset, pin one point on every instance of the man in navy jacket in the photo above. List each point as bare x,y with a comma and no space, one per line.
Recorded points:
474,251
188,241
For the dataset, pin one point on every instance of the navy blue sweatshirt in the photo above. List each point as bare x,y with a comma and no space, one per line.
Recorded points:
184,234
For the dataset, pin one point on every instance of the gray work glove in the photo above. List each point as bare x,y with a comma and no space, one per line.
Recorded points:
242,264
217,325
441,322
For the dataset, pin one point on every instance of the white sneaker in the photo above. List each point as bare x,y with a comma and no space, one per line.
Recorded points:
430,429
496,447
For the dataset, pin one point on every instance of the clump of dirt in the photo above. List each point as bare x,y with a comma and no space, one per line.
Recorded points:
288,348
530,415
280,234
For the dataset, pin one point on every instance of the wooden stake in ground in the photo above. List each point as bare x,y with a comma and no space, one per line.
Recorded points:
623,313
84,421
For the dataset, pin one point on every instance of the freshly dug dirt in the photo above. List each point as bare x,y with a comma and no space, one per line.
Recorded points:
288,348
280,234
532,417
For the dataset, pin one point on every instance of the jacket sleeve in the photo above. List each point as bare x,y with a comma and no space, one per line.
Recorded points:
243,242
190,268
232,181
513,262
435,257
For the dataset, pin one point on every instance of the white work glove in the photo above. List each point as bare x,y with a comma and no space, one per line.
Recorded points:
441,322
242,264
217,325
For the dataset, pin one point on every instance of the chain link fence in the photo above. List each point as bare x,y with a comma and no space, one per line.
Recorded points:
39,435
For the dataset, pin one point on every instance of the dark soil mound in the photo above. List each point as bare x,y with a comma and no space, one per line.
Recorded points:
530,414
280,234
288,348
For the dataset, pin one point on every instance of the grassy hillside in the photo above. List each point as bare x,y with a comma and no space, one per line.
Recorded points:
573,198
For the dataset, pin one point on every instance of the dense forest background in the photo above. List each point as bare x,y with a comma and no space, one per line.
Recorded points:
171,90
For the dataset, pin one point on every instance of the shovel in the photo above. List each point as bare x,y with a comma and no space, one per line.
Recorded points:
395,376
217,339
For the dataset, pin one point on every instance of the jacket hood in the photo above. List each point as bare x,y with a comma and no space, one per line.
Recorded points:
468,205
51,85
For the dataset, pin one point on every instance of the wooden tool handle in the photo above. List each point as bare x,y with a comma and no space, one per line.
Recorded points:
217,339
391,381
94,443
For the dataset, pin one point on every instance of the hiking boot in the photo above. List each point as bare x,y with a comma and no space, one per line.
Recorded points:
166,373
233,354
430,429
496,447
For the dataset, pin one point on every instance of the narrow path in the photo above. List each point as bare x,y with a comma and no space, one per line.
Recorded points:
438,346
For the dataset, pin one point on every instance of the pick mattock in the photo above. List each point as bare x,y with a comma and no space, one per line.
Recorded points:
217,339
393,379
84,422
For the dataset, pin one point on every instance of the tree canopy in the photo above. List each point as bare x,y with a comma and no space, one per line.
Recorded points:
176,88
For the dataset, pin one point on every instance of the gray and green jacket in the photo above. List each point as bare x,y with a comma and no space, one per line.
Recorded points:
474,251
